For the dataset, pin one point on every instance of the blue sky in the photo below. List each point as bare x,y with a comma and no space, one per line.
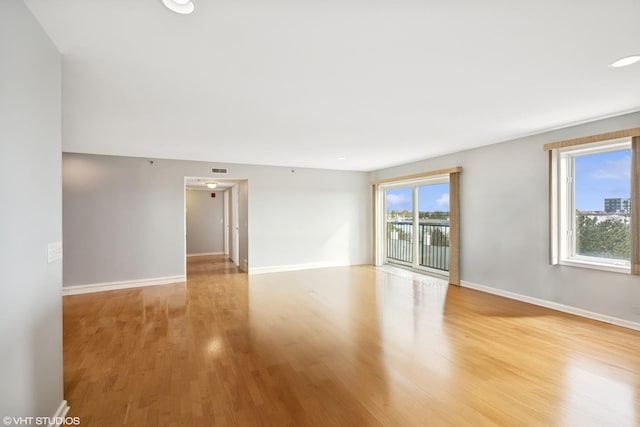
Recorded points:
430,198
600,176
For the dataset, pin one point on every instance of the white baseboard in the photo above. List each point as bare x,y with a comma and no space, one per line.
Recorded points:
294,267
553,305
112,286
205,254
58,417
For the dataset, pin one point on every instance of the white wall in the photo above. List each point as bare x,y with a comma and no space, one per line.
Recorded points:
243,221
123,217
205,225
233,221
505,230
30,216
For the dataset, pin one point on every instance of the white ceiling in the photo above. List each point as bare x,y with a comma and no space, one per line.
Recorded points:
302,83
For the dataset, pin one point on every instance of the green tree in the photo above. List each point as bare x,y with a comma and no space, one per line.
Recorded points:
607,239
439,215
435,215
439,237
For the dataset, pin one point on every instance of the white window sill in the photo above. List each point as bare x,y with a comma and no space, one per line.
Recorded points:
594,264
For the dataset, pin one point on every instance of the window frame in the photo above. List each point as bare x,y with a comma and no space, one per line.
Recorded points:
563,219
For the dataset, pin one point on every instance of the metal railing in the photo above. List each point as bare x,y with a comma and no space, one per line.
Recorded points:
433,246
400,241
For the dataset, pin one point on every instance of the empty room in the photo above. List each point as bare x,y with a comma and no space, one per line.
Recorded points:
350,213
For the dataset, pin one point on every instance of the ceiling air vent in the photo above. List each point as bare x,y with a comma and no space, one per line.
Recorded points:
219,171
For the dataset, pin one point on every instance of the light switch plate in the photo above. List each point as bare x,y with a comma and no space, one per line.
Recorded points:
54,252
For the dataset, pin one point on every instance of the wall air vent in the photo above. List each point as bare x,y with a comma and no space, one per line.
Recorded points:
219,171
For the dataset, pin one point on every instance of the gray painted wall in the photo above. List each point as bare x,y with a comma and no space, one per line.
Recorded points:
232,226
504,224
243,221
204,222
30,190
124,217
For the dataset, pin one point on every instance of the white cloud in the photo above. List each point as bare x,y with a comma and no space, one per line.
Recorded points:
398,200
614,169
443,201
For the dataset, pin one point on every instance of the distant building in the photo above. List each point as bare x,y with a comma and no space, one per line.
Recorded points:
617,205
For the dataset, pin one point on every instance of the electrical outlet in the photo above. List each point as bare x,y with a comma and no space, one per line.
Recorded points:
54,252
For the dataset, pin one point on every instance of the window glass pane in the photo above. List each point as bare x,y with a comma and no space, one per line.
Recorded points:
399,202
602,202
433,213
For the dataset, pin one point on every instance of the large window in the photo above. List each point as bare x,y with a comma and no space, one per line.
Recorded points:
595,205
594,199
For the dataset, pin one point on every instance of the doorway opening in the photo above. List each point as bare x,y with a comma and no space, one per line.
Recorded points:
216,222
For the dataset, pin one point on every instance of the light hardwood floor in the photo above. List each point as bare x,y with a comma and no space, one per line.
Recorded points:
352,346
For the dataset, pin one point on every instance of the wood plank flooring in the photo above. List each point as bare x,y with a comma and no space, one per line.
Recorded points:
351,346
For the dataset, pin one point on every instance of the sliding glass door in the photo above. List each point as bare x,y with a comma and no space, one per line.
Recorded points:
417,225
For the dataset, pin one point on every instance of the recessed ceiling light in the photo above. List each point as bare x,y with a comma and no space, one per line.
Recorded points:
627,60
183,7
342,158
212,185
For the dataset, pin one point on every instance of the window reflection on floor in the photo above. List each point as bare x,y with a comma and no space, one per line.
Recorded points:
593,388
411,308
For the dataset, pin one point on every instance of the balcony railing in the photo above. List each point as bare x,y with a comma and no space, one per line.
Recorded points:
433,246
